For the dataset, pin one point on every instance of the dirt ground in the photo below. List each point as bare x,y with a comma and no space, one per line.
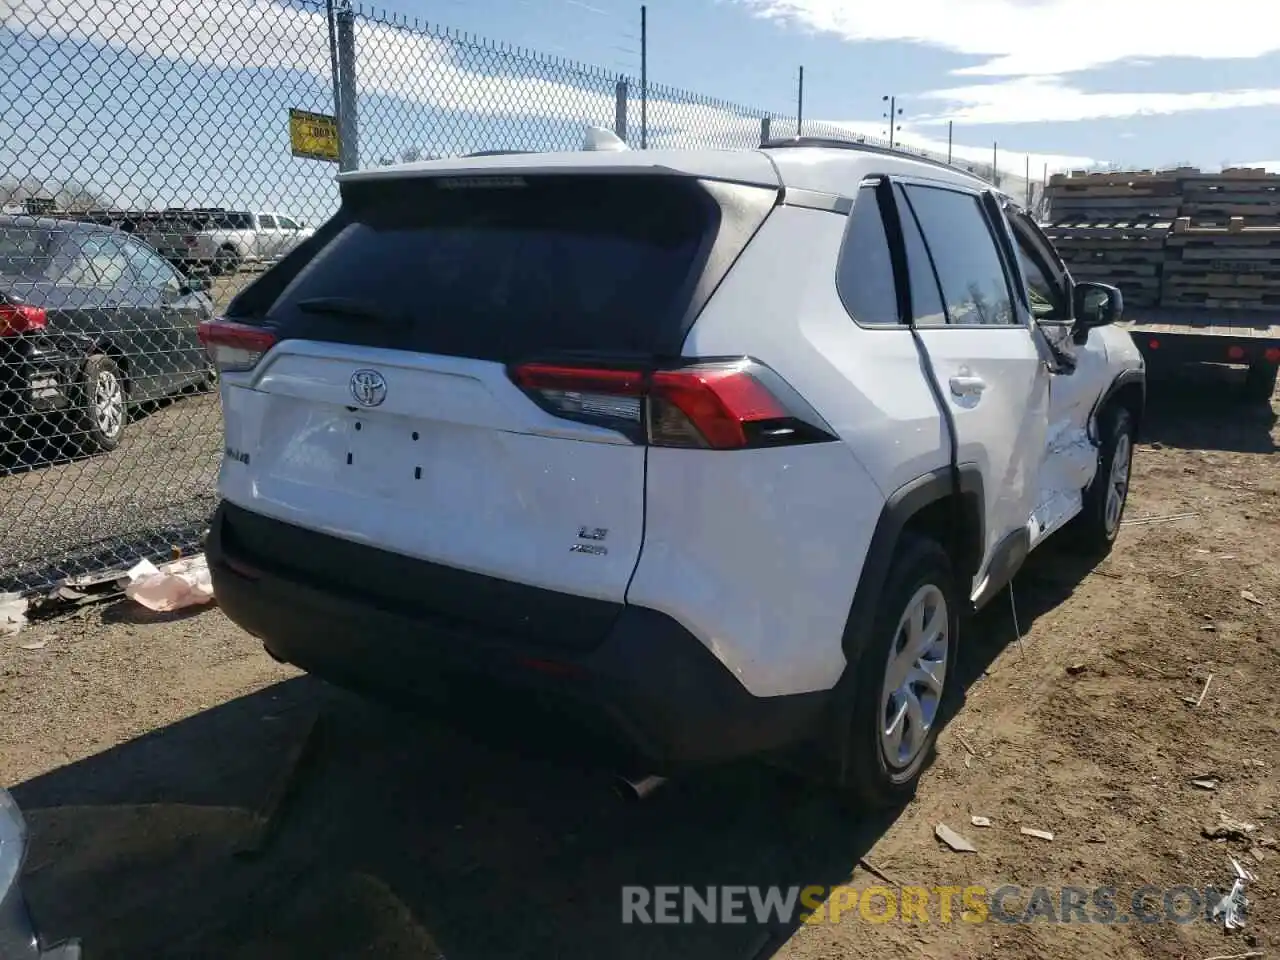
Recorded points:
141,748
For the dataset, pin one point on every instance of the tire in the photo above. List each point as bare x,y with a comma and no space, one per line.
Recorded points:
226,262
103,406
1095,529
888,744
1260,382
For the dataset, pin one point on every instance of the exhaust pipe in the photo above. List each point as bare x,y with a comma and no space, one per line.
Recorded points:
637,790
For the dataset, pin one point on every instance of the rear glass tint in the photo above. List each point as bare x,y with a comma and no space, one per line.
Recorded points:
503,268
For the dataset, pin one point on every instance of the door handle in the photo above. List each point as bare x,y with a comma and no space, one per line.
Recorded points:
967,386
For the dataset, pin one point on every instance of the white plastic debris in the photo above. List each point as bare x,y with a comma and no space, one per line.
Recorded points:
980,821
1038,834
1234,905
953,840
172,586
13,613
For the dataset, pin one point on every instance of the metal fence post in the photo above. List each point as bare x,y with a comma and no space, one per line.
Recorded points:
620,110
764,129
348,121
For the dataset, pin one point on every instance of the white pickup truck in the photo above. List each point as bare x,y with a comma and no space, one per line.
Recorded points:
229,238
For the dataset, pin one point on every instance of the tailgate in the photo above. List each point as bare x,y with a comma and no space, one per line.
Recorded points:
383,410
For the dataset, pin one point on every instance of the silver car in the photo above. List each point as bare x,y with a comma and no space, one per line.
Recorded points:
18,937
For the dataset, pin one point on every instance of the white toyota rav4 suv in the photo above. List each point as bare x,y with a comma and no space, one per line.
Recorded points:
713,448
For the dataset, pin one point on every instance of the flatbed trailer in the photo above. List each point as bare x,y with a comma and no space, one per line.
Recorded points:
1172,336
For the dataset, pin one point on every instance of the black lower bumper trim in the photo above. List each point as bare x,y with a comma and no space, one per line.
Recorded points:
650,693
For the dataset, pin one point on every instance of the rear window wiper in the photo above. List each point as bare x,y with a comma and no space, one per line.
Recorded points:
348,307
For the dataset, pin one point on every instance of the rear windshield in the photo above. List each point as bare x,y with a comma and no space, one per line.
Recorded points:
24,252
505,268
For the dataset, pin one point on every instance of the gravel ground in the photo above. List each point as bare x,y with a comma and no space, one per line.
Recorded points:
142,746
64,512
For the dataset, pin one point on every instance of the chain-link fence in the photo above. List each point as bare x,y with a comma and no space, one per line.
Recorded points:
154,157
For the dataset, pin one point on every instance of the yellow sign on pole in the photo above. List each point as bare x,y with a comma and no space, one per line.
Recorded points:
313,135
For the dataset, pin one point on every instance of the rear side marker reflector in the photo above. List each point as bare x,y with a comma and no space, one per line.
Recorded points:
719,405
234,347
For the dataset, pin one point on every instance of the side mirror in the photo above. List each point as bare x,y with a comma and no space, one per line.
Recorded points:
1094,305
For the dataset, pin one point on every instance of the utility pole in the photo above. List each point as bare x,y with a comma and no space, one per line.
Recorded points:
894,113
800,106
995,163
348,123
950,130
644,77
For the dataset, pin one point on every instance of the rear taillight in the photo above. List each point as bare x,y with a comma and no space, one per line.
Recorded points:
718,405
234,347
16,318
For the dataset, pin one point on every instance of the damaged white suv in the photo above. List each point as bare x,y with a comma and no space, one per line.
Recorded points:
713,448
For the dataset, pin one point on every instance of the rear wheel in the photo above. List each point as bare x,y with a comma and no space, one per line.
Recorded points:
1098,524
902,677
1260,382
103,406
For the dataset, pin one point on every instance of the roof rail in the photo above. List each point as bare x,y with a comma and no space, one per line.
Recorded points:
865,147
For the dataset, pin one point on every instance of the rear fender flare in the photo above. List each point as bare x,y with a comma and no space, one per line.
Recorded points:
900,508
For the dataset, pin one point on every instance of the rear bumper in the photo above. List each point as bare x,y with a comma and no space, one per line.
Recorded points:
35,376
650,694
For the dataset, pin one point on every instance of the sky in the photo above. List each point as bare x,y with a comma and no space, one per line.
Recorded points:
179,102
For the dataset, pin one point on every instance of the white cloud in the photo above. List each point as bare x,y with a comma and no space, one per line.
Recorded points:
257,35
1008,161
1026,37
1050,100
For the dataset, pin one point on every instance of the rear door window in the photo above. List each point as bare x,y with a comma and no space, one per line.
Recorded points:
969,266
109,262
503,268
149,270
926,301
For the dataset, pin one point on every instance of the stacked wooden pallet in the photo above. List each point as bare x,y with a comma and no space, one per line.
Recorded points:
1224,249
1186,238
1127,196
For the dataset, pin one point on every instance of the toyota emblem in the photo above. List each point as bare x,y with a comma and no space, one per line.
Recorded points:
368,387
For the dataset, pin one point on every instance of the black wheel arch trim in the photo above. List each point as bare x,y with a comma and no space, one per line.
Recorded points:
899,509
1125,378
901,506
